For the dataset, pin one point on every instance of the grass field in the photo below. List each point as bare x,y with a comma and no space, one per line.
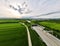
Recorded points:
52,25
13,34
8,21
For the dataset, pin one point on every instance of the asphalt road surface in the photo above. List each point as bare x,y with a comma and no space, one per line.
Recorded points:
49,39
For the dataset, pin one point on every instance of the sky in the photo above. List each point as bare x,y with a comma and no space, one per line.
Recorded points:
38,8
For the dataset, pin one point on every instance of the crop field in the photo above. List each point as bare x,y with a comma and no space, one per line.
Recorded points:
13,34
8,21
52,25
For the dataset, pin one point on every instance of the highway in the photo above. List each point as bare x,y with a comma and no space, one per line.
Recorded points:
49,39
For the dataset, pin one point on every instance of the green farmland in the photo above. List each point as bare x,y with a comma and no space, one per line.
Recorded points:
13,34
52,25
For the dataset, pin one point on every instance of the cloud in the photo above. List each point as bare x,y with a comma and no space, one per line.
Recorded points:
37,6
8,13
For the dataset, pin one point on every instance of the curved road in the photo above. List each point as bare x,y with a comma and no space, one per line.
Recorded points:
29,38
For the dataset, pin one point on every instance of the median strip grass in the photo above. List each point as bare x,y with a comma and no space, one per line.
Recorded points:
36,40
